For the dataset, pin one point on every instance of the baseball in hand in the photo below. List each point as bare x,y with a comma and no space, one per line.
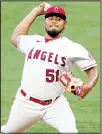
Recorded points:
46,7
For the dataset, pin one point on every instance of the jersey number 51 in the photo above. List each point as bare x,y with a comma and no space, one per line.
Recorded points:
52,75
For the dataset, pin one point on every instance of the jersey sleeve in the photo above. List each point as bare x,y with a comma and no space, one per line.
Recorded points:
86,59
25,43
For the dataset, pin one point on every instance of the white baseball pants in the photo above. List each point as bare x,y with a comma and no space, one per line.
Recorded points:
25,113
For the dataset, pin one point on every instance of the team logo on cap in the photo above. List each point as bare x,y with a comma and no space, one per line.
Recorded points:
56,9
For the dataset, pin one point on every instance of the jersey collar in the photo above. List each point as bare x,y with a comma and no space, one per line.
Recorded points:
47,40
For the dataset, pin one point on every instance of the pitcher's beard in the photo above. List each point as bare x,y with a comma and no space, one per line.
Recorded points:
53,33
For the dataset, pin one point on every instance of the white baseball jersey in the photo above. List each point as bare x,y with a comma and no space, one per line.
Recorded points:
43,60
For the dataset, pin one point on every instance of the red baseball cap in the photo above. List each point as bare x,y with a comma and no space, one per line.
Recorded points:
57,11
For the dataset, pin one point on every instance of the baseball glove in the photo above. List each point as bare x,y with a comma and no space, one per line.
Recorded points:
71,83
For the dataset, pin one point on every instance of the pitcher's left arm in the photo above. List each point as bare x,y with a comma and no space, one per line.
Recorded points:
93,76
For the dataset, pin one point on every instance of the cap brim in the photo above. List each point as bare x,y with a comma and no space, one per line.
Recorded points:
55,14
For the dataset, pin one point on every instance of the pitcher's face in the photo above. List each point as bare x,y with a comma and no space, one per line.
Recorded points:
54,25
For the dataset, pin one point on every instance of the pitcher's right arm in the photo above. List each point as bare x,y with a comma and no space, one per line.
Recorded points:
23,27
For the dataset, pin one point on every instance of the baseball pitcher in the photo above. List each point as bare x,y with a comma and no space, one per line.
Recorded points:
47,73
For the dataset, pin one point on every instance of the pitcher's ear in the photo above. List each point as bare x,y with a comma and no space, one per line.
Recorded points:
65,23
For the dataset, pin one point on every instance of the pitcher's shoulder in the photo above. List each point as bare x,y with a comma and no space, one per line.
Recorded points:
73,43
67,40
34,37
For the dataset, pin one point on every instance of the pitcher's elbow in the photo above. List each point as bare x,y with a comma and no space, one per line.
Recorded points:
14,41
